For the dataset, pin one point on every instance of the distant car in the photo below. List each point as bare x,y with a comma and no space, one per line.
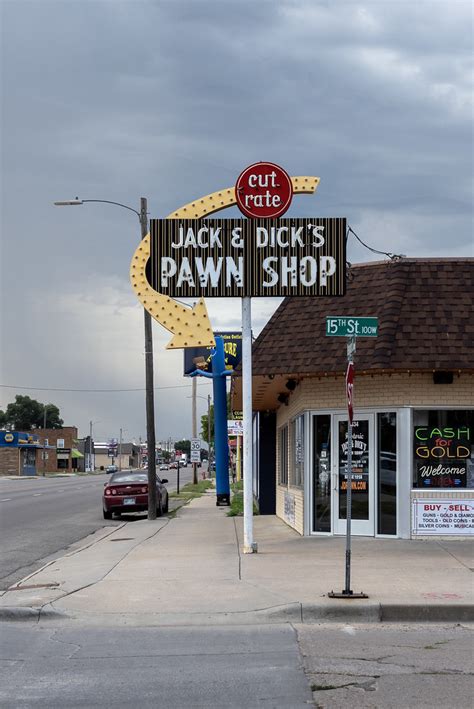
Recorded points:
111,469
173,465
128,492
164,466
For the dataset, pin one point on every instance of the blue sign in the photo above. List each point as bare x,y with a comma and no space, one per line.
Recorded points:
15,439
200,359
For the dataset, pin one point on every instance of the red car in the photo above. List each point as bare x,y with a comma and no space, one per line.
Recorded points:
128,492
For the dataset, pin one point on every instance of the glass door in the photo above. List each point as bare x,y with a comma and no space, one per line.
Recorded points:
363,475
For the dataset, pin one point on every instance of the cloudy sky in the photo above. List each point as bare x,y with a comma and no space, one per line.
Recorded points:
171,100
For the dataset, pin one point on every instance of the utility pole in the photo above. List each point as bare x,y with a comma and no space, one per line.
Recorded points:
194,426
90,446
150,394
44,441
208,435
120,451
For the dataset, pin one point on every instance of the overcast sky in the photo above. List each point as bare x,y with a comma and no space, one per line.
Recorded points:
171,100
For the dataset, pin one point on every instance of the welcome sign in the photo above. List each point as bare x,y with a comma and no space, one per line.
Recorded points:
248,257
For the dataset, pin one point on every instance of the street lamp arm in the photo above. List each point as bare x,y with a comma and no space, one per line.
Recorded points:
77,201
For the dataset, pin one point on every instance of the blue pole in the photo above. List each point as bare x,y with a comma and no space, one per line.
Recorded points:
220,424
218,376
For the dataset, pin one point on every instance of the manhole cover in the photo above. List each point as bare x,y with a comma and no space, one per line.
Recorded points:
123,539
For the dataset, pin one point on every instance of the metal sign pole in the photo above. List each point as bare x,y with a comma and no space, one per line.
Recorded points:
249,545
351,345
347,592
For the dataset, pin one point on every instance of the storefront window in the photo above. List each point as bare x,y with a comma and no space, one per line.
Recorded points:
360,469
387,473
443,449
63,464
322,473
283,476
297,442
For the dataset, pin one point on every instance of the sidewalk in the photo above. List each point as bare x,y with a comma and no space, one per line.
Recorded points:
190,570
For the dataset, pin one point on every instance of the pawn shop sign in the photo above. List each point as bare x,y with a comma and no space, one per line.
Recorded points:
350,390
263,191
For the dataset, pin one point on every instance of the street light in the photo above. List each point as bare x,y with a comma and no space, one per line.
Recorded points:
150,404
91,454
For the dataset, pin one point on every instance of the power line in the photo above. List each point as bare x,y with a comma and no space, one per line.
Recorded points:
394,257
102,391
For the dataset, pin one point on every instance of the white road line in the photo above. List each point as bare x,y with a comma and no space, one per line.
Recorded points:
37,494
6,499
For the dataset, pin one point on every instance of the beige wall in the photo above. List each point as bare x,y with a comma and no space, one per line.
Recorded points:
385,391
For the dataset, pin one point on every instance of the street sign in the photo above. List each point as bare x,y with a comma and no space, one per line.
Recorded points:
235,428
263,190
348,326
195,450
350,390
240,258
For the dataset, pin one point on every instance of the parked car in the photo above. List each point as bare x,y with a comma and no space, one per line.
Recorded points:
173,465
111,469
128,492
164,466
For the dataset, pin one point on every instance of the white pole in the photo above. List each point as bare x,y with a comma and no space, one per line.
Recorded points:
249,545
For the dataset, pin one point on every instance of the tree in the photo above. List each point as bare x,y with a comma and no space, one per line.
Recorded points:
204,429
183,446
25,414
3,419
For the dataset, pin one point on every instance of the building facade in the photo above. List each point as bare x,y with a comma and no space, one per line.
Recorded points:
413,445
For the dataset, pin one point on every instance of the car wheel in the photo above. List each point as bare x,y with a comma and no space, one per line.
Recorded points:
107,514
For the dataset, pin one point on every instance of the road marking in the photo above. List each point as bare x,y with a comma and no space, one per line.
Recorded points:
6,499
37,494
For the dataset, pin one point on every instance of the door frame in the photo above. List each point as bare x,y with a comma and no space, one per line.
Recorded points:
359,527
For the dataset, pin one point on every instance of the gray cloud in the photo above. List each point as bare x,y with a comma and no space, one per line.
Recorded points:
171,100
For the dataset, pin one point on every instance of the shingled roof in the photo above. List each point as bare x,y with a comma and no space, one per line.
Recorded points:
425,311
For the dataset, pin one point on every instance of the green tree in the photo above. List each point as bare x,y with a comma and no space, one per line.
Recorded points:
184,446
3,419
204,430
25,413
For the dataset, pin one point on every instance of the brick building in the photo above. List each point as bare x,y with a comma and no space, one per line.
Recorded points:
61,450
413,446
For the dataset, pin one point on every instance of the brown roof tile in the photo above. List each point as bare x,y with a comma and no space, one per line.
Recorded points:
425,311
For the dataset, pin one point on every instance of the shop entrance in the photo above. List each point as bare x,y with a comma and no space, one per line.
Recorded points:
363,475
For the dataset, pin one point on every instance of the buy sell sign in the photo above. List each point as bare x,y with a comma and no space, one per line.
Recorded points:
248,257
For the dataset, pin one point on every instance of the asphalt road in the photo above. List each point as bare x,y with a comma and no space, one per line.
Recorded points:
41,517
170,668
373,666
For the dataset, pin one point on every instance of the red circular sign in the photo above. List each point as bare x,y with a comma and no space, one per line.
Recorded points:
263,191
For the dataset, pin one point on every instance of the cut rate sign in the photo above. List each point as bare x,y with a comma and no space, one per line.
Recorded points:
248,257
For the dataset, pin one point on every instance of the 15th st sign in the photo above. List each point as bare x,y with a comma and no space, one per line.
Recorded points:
248,258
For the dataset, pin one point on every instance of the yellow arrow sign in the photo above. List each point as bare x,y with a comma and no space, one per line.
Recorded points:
190,326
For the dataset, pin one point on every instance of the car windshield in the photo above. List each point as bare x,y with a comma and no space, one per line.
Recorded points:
129,478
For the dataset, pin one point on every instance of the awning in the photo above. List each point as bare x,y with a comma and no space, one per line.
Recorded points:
76,454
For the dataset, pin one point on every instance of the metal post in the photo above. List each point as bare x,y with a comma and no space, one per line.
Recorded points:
120,451
90,446
150,400
177,479
348,508
347,592
194,426
44,439
249,545
208,435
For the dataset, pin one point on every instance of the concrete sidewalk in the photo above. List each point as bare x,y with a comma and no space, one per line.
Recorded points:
190,570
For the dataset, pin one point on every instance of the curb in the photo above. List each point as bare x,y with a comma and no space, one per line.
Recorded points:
288,613
29,613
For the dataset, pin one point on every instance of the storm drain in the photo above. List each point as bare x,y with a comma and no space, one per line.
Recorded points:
53,584
123,539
